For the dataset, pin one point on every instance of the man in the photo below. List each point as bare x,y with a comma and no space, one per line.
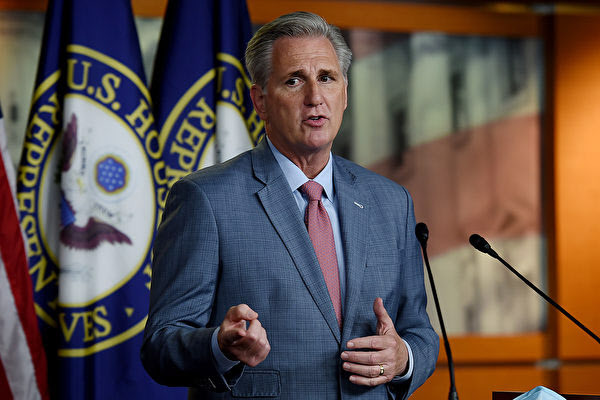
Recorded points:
264,287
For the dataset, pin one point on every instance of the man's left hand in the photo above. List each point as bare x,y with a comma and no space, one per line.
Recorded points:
385,352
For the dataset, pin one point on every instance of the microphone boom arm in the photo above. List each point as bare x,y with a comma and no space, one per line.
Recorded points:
482,245
422,234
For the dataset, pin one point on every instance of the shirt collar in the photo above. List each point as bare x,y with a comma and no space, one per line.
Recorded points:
296,177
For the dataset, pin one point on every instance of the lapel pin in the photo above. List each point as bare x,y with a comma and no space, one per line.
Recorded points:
359,205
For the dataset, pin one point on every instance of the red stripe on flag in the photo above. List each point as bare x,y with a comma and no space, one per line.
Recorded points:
5,391
15,261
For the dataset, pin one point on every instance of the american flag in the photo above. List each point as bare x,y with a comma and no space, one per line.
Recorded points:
22,358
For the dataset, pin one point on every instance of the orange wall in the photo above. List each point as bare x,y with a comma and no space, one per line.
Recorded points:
382,15
478,383
577,181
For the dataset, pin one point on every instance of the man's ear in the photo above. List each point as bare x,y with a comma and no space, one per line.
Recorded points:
259,101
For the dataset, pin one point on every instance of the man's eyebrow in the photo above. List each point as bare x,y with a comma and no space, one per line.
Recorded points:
299,73
325,71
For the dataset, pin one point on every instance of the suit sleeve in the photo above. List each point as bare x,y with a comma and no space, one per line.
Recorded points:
412,321
176,350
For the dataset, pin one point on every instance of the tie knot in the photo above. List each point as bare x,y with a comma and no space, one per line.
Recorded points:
313,190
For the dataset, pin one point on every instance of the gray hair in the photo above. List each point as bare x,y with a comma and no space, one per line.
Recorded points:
297,24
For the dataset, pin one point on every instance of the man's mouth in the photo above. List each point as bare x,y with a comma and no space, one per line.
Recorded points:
316,121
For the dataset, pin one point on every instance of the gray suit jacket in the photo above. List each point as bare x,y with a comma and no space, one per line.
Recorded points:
233,234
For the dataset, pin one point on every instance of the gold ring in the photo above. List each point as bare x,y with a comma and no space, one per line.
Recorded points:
381,370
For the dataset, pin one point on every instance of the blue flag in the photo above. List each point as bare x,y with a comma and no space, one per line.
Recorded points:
89,195
200,87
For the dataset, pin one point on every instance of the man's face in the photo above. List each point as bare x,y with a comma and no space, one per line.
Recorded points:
305,97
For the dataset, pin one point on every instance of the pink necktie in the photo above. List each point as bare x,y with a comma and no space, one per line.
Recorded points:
320,232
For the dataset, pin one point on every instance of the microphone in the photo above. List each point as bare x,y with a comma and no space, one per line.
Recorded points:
422,234
482,245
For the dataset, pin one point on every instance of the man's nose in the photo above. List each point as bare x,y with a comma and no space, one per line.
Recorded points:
313,96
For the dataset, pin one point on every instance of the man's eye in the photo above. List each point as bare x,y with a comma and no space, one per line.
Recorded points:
326,78
292,82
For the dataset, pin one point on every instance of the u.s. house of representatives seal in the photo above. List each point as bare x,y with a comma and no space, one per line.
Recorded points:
89,197
212,121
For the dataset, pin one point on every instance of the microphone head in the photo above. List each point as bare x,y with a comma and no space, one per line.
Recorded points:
422,233
480,243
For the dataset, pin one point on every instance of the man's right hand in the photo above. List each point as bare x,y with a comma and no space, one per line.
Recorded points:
242,337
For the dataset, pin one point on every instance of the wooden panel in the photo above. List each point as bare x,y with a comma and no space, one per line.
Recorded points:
145,8
402,17
577,180
478,382
513,395
24,5
496,349
580,378
386,16
149,8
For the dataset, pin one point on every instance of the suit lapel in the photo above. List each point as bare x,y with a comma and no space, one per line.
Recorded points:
353,210
282,210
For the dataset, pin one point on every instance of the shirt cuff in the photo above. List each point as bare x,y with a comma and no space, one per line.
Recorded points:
222,363
409,371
